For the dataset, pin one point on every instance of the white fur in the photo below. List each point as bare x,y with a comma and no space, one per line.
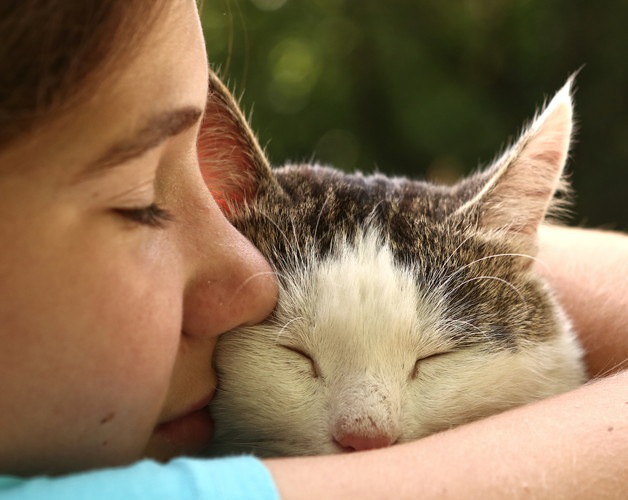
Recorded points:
365,323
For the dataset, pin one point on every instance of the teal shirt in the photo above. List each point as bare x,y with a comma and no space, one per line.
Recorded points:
184,478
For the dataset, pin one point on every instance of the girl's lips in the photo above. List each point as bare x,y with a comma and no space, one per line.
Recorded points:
192,430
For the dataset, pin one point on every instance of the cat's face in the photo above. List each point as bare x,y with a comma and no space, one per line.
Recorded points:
404,308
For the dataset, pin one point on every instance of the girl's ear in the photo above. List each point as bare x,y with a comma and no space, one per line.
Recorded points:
517,190
232,162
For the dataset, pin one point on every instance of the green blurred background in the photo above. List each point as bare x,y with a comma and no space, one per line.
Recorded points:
430,89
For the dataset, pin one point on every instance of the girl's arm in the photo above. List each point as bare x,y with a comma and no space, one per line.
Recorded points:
568,447
588,269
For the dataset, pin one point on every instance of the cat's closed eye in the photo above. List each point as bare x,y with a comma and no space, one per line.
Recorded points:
315,372
417,365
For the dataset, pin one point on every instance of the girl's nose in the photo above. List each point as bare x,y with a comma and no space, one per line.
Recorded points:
231,283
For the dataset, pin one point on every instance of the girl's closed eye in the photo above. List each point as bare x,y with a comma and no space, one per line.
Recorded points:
152,215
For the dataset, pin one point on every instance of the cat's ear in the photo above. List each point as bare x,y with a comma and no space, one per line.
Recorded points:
231,160
516,192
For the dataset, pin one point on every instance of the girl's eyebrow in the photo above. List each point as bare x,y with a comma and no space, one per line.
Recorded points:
155,131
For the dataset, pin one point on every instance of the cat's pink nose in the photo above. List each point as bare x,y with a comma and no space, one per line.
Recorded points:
356,442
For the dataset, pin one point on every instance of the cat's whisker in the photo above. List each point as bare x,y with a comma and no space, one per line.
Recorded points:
443,267
286,325
289,243
485,335
320,215
282,275
460,269
451,321
297,242
248,280
373,214
542,263
436,280
505,282
610,368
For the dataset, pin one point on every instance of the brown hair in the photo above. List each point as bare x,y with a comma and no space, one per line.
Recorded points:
54,52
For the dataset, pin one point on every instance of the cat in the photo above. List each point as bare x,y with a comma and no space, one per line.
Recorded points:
404,308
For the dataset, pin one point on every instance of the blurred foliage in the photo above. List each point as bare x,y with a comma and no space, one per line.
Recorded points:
429,89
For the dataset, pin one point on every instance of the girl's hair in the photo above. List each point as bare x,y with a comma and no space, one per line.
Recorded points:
53,53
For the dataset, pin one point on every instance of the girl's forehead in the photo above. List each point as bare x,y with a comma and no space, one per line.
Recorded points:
167,73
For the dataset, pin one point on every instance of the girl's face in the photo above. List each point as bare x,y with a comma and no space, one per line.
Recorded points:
118,271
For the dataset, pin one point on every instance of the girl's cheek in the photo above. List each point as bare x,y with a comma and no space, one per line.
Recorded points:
138,311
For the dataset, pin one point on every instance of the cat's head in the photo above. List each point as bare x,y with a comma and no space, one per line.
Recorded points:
404,308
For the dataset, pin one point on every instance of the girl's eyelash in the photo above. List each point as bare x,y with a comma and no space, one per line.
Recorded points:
151,215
